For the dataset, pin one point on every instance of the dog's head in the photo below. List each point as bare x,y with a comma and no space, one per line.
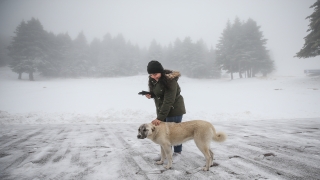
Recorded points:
145,130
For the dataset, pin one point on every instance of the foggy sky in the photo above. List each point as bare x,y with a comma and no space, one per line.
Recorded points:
140,21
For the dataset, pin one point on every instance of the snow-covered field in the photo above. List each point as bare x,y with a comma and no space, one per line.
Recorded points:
105,100
86,128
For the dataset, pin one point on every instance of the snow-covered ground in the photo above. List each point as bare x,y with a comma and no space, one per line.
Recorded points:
86,128
106,100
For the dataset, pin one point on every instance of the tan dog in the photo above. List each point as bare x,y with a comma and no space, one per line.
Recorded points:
171,134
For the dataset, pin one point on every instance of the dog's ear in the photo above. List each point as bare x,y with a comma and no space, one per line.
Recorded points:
153,128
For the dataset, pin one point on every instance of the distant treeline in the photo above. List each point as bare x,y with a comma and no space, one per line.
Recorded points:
32,49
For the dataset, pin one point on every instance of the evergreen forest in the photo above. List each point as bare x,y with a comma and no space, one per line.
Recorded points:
241,49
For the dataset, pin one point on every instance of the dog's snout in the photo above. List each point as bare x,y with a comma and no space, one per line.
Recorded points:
139,136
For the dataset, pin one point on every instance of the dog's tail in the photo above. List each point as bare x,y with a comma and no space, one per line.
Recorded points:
219,136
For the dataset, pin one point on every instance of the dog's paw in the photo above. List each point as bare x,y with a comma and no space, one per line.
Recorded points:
167,167
159,162
205,169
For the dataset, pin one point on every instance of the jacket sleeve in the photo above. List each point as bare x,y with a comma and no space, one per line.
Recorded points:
168,100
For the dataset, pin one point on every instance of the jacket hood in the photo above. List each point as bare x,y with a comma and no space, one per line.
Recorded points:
170,74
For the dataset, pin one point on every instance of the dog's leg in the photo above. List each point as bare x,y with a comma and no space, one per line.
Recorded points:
206,153
204,147
211,155
168,151
163,156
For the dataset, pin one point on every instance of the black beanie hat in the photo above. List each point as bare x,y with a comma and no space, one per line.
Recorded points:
154,67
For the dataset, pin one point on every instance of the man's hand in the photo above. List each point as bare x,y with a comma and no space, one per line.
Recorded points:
156,122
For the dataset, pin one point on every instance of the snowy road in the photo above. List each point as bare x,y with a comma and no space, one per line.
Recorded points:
261,149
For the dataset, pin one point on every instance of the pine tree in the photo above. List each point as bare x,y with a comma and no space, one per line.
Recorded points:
311,47
224,50
252,40
177,54
64,51
215,71
57,54
168,58
95,54
80,56
237,46
121,60
155,51
242,49
4,43
199,68
187,58
255,55
28,48
105,67
49,67
134,56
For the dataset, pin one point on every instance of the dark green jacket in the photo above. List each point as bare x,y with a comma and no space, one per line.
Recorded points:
168,102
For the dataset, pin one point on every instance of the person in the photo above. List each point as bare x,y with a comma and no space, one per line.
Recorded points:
165,90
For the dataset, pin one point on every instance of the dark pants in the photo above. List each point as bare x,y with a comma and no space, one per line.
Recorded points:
176,119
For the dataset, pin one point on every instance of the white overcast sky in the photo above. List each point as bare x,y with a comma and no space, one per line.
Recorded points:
283,22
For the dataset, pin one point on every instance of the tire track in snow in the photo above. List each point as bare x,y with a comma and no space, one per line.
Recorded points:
131,166
20,139
250,149
99,146
38,150
21,154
